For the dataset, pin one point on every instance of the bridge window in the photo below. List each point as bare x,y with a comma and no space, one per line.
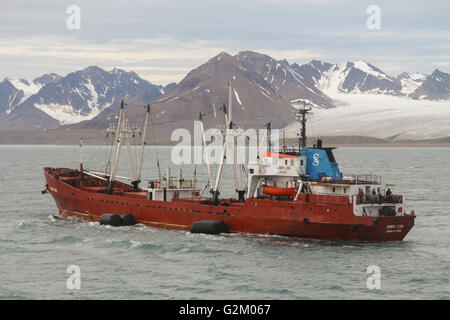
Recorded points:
330,155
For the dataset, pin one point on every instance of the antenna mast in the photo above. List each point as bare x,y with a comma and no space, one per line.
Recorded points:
269,136
300,116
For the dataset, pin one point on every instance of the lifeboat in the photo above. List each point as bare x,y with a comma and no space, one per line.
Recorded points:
278,191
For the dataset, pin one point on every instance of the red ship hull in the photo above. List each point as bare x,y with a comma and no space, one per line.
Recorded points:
311,216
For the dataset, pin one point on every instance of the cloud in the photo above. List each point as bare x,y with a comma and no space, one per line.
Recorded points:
442,64
159,60
291,55
129,50
165,39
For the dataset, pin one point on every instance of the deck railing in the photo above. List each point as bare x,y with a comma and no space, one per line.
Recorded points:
361,179
380,199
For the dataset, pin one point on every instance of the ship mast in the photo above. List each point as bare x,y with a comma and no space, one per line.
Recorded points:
205,153
229,126
300,116
240,189
144,135
81,161
81,156
123,133
117,146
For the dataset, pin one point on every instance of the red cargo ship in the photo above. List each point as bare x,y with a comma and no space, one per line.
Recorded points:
296,193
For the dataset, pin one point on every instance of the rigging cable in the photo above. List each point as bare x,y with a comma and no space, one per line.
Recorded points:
94,156
156,147
108,156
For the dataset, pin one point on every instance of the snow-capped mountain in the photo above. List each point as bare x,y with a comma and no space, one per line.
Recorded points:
54,100
435,87
285,80
47,78
350,97
13,91
84,94
373,103
349,77
204,89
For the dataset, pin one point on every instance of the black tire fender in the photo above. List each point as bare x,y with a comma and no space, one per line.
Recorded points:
209,227
128,220
111,219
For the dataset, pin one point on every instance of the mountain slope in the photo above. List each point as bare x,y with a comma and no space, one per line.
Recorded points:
435,87
284,79
204,90
10,97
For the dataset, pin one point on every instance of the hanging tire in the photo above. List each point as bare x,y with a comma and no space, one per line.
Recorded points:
128,220
305,221
209,227
111,220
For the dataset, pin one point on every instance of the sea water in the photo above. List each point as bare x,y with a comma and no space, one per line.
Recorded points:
38,253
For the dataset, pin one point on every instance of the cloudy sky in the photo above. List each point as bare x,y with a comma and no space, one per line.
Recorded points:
163,40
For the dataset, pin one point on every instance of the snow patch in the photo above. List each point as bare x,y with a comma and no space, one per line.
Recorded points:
380,116
412,82
64,113
28,88
364,66
93,102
